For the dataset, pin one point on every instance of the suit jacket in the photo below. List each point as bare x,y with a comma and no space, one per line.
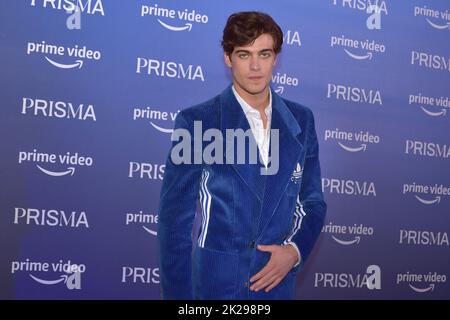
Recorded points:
240,208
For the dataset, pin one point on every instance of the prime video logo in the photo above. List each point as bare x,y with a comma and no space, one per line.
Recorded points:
71,279
187,16
433,15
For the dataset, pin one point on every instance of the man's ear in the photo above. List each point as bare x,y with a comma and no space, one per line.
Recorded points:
227,59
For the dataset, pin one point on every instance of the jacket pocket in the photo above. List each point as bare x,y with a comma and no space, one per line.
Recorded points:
293,188
215,274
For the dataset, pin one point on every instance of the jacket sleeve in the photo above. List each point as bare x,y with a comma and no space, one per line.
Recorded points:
177,207
310,202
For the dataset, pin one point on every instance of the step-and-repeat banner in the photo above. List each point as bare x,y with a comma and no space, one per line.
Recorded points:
89,93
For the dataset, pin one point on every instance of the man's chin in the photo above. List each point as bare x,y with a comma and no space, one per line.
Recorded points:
255,90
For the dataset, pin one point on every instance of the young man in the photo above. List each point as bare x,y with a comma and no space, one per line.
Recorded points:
259,221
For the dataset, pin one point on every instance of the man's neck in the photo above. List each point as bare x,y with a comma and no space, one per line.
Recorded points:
258,101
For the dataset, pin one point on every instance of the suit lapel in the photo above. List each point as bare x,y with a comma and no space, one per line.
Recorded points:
233,117
267,188
290,153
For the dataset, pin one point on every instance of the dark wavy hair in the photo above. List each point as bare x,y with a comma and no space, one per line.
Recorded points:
243,28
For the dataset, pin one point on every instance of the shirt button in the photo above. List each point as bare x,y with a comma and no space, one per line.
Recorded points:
252,244
246,284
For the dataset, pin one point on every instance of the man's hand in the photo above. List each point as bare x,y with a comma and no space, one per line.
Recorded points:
282,259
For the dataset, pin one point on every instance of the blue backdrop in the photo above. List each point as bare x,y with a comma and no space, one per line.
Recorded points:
88,100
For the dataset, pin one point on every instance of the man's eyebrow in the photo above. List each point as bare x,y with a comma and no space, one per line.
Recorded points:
242,51
247,51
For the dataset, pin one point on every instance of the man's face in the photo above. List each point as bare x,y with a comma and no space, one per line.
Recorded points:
252,65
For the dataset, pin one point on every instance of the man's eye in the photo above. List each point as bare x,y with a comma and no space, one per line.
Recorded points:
243,55
265,54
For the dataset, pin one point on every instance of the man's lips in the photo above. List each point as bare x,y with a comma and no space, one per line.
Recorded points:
255,78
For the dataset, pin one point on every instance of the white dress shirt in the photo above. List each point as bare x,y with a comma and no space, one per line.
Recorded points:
253,116
262,136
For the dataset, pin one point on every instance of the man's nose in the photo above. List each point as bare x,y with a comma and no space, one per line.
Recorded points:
254,63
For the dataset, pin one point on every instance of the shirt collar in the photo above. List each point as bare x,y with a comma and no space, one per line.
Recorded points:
249,109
